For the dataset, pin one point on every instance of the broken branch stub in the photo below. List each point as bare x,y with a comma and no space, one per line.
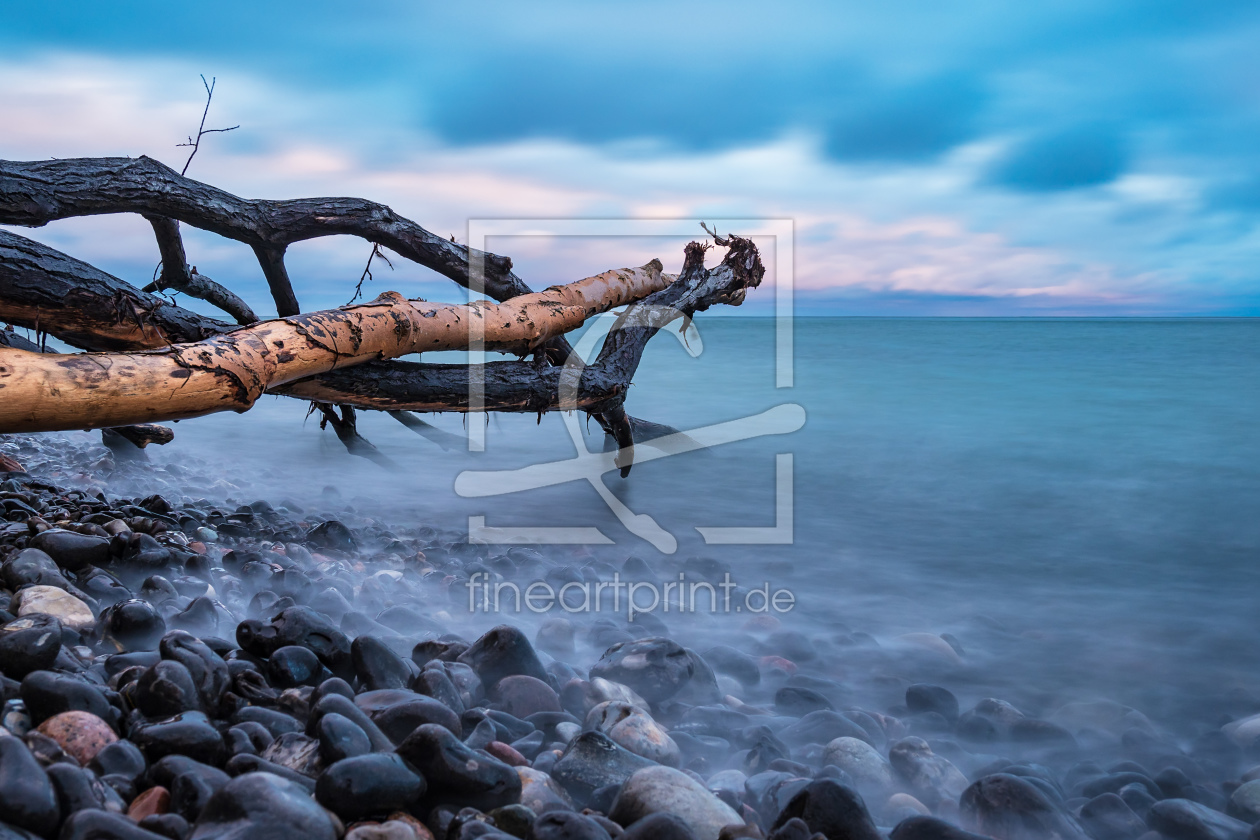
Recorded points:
229,372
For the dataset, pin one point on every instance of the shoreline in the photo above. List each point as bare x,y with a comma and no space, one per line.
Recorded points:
291,613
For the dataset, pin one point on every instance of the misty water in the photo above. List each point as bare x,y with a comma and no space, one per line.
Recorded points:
1076,503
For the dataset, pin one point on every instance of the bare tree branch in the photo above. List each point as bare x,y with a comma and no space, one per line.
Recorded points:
201,129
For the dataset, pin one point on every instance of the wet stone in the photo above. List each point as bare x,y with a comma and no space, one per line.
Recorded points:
189,734
930,828
456,774
294,665
27,644
340,738
378,667
655,668
522,696
49,693
592,761
1181,819
654,790
1011,808
861,762
930,777
102,825
71,550
80,734
27,798
567,825
368,785
61,605
503,652
923,698
135,624
1107,817
262,806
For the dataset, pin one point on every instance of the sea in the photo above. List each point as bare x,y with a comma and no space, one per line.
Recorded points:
1074,503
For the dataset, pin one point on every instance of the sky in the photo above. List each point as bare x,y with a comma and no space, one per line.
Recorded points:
943,158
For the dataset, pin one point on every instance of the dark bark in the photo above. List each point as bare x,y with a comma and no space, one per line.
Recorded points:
271,259
176,274
34,193
142,434
45,290
346,428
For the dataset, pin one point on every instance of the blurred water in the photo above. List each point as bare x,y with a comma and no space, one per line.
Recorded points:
1078,501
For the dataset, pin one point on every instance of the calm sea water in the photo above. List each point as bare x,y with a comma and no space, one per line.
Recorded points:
1077,501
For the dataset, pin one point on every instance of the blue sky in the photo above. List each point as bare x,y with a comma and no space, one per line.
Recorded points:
971,158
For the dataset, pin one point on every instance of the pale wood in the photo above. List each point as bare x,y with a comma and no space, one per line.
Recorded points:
53,392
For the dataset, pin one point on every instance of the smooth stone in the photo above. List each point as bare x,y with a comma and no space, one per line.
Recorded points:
931,777
103,825
655,668
294,665
189,734
507,754
31,566
27,644
1244,802
80,734
49,693
733,663
834,809
58,603
540,792
634,729
333,703
522,696
592,761
166,689
27,798
303,627
869,770
566,825
663,827
71,550
368,785
1244,732
930,828
340,738
388,830
1182,819
655,790
433,682
923,697
121,758
170,826
209,671
378,667
239,765
135,624
276,723
822,727
456,774
1012,808
262,806
155,800
78,789
400,719
798,701
501,652
1107,817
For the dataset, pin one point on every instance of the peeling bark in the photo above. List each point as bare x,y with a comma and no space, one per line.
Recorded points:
229,372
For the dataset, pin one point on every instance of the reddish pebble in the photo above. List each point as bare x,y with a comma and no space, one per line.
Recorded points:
771,663
422,831
506,754
198,547
155,800
7,464
80,734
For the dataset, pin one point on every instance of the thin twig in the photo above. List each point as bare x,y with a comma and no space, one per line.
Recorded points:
367,271
201,129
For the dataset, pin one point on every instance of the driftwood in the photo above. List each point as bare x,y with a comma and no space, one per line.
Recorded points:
50,392
58,295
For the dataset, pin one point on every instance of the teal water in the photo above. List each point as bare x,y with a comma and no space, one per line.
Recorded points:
1079,498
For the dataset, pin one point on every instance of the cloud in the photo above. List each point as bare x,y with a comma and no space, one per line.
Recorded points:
1083,156
911,229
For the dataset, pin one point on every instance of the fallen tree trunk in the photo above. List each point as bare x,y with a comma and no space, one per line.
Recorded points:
45,290
230,371
34,193
526,387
